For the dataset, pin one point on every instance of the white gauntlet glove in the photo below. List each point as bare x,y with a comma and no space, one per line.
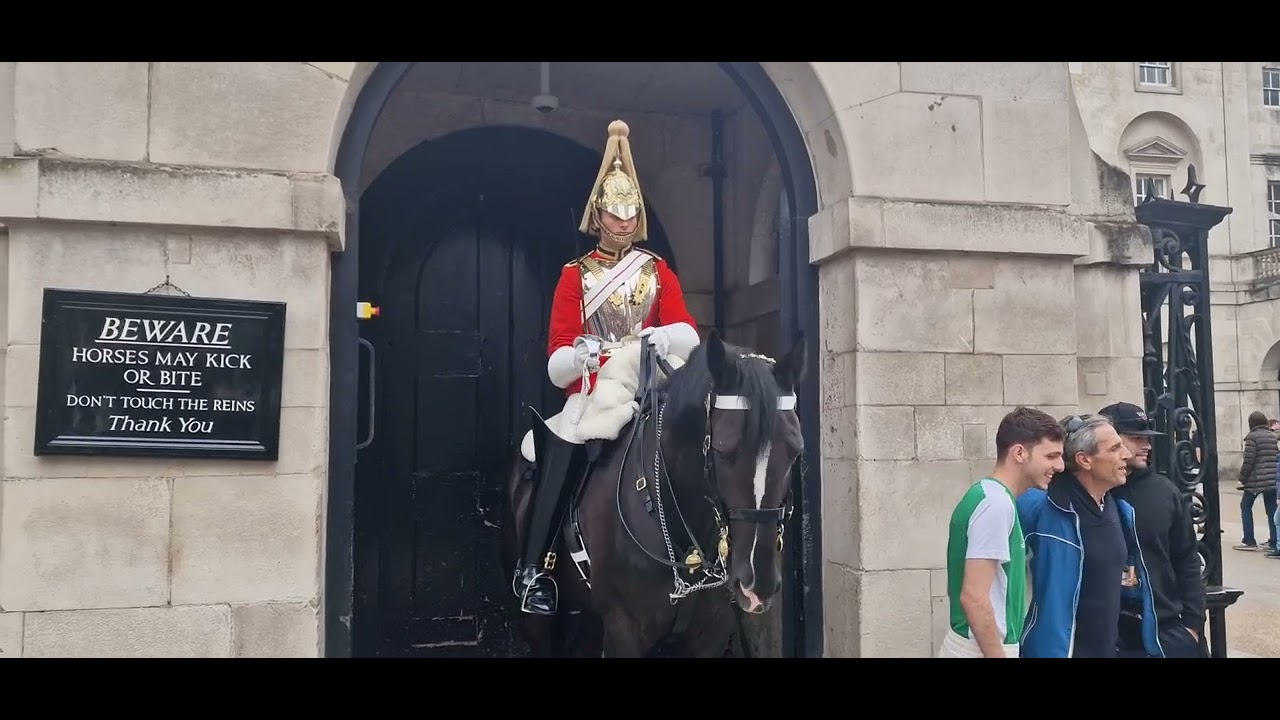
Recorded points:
659,338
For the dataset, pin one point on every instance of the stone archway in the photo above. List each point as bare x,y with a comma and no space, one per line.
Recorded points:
791,103
795,88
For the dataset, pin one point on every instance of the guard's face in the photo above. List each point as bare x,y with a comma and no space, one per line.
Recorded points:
616,225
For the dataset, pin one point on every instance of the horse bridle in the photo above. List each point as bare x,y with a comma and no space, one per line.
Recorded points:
647,392
780,514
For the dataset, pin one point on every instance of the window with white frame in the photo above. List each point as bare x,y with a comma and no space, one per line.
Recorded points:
1273,211
1157,159
1271,87
1155,74
1160,186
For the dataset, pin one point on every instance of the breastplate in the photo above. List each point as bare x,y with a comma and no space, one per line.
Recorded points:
623,313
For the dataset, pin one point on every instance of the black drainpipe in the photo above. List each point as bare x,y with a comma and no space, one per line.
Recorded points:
716,171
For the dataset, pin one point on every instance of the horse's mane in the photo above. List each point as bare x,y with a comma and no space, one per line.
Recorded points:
687,389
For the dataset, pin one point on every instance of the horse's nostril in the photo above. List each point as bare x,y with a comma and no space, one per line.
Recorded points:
753,603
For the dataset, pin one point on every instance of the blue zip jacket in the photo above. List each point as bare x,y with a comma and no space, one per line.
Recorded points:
1056,560
1278,478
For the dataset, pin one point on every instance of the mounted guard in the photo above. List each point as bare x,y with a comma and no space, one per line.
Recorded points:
605,303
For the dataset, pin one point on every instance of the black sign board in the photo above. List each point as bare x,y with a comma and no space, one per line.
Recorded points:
159,375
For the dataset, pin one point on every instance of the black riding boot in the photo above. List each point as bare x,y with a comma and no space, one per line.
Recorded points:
558,464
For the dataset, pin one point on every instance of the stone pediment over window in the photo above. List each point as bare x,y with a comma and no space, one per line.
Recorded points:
1156,151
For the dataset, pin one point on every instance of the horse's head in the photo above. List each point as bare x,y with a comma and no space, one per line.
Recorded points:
753,438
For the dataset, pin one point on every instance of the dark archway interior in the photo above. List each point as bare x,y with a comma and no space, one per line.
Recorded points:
555,173
463,240
407,246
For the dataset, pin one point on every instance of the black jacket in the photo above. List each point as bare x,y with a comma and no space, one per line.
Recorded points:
1168,539
1258,464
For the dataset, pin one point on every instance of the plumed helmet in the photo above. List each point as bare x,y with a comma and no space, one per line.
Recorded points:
617,187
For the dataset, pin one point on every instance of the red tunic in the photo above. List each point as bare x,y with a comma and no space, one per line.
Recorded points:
566,307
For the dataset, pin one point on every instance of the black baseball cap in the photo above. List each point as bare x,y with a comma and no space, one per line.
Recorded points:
1129,419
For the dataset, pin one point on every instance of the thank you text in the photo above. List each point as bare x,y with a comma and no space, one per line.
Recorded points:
159,375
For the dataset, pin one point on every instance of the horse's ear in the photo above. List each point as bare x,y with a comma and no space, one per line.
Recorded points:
790,369
715,354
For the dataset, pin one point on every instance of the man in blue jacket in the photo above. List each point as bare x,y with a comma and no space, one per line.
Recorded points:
1085,560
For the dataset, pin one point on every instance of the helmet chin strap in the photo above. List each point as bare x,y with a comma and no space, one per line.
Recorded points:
622,243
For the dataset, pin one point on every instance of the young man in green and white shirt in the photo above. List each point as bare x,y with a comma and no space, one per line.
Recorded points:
986,558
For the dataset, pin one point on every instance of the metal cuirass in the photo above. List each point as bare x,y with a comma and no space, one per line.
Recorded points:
622,315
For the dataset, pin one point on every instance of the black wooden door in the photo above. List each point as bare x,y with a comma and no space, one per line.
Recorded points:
454,339
463,267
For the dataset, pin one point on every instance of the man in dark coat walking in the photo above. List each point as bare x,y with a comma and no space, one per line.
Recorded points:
1258,477
1166,534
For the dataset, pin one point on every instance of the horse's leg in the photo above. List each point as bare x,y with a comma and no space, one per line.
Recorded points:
622,636
711,630
557,636
567,630
591,641
515,520
708,642
579,636
539,633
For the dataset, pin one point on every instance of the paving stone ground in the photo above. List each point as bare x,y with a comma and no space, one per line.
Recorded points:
1253,623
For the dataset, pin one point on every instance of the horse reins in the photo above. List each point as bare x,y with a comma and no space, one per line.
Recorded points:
647,390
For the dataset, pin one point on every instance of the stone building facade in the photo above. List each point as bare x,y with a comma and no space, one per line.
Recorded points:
957,238
1155,119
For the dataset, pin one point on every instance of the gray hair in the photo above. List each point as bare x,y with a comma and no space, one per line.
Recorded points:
1082,437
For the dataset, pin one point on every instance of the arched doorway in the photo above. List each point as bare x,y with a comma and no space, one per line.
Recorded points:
797,311
461,239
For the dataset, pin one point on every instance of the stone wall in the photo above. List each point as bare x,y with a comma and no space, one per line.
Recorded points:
950,293
212,175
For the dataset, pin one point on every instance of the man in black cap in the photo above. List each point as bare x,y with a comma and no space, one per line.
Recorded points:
1167,536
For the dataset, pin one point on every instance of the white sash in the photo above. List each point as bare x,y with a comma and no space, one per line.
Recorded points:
611,281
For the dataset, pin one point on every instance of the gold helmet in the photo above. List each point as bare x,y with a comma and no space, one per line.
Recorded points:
617,188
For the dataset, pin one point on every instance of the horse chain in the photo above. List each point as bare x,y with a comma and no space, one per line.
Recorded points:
657,489
712,577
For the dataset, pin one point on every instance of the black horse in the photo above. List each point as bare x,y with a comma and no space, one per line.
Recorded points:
678,519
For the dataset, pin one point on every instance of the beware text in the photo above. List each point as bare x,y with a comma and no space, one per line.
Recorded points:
164,363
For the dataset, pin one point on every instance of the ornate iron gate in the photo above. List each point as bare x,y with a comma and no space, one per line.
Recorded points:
1177,372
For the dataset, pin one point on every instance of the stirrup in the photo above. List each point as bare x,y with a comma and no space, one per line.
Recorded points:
524,596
